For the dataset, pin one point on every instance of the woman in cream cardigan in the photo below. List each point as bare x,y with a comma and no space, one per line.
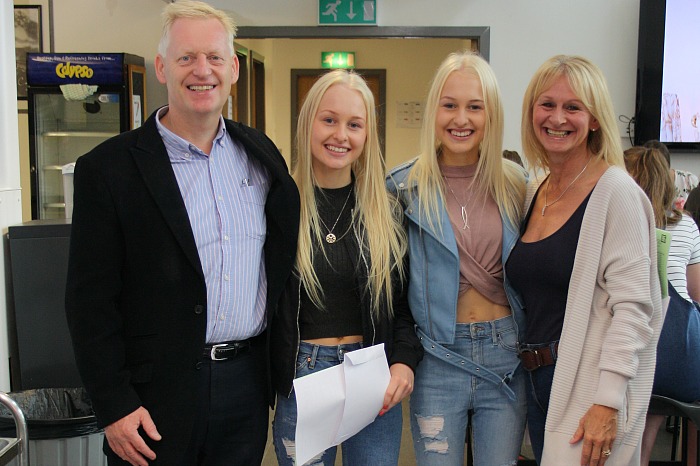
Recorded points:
585,272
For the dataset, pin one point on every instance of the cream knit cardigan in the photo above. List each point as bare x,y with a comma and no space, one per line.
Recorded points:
607,351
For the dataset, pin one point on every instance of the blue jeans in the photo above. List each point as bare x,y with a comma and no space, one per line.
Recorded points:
539,389
376,445
444,395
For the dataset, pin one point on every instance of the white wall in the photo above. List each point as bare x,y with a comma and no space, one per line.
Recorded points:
131,26
10,194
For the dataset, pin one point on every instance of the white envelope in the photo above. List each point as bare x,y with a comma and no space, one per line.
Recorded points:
336,403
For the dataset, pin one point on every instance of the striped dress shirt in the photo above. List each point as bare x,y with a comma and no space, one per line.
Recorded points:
224,193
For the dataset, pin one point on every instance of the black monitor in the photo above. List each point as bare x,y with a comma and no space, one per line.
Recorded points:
668,74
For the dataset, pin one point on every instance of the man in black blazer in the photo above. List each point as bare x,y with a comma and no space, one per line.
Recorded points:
184,233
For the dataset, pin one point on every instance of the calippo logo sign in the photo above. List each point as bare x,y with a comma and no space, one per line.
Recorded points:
48,69
66,70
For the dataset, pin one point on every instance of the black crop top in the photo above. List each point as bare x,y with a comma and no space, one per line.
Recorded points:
341,315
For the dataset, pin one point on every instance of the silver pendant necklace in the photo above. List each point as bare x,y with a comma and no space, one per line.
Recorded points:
330,237
565,190
463,208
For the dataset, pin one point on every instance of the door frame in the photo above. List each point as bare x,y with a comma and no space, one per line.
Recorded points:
480,34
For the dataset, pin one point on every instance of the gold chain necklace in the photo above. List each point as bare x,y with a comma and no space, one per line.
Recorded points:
565,190
330,237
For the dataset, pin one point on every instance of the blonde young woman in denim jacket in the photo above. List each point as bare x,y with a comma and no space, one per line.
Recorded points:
463,203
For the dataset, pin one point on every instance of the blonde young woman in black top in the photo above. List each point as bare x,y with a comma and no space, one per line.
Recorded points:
348,288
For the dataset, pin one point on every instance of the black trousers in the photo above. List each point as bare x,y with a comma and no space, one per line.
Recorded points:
232,413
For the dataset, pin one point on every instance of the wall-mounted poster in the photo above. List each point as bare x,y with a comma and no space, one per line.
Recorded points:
33,33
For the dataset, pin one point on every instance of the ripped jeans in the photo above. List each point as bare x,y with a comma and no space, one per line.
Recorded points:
377,444
444,395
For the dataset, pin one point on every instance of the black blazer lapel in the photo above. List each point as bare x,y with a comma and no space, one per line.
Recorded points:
281,209
152,160
282,205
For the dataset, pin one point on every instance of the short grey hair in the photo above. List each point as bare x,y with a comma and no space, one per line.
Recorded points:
194,10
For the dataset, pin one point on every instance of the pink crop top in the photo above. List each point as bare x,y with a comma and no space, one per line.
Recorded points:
478,230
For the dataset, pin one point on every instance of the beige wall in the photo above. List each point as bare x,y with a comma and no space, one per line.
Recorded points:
410,64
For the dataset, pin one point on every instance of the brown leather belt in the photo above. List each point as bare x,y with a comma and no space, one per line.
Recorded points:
534,358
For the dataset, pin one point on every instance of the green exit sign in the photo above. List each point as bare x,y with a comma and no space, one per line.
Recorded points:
347,12
337,59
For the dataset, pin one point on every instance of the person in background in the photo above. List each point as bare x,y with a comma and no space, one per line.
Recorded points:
349,286
184,234
684,181
513,156
645,165
585,274
463,203
692,205
650,170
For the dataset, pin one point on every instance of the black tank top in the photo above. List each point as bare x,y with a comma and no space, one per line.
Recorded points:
540,271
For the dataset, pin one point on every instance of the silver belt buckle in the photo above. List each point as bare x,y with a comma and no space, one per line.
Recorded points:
212,355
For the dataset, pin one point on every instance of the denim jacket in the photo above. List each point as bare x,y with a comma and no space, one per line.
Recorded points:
434,273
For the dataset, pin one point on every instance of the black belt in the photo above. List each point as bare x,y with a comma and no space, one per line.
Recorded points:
226,350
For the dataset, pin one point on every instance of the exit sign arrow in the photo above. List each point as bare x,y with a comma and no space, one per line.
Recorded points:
351,15
347,12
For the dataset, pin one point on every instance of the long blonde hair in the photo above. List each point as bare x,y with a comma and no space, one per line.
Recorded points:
373,208
588,83
500,178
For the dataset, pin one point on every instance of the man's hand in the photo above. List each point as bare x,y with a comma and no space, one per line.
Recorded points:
125,441
400,386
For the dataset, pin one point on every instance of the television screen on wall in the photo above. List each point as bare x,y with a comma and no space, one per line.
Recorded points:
668,74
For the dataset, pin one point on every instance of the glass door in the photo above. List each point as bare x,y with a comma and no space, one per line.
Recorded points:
63,130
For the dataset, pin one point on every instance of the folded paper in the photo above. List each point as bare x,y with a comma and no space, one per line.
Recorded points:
336,403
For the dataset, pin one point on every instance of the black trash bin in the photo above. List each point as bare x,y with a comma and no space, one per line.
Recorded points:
62,427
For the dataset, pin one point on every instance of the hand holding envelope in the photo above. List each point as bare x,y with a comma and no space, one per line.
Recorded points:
336,403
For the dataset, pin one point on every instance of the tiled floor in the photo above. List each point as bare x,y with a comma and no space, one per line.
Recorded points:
662,449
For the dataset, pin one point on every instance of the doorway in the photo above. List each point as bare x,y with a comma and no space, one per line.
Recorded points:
409,55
